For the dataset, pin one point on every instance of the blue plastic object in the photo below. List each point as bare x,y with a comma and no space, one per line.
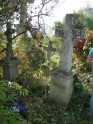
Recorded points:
19,107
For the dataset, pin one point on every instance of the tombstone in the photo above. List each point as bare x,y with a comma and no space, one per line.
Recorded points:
49,50
59,32
61,87
9,63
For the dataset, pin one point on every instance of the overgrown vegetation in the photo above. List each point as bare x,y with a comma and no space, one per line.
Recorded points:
9,93
33,81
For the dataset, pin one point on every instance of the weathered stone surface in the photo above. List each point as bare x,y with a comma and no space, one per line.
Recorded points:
62,80
59,33
67,45
49,50
10,69
61,87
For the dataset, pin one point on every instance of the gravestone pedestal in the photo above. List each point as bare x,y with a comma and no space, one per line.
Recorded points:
10,69
61,87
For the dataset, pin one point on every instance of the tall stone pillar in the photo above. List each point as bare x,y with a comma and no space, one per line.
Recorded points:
62,80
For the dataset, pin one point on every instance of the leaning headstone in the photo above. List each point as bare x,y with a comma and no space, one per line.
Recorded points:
49,50
62,80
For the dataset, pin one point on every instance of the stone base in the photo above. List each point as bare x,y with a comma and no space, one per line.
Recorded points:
61,87
10,69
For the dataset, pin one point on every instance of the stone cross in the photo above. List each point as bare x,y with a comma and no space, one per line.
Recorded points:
67,45
8,33
9,63
61,87
77,33
49,50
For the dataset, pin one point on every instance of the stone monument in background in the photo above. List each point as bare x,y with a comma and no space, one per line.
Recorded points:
9,63
49,49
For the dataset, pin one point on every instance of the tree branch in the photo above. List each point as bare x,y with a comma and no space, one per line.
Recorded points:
19,34
2,50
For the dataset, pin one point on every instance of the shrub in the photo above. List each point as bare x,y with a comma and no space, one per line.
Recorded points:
8,95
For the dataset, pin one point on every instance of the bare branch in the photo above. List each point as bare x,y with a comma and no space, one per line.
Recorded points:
2,50
19,34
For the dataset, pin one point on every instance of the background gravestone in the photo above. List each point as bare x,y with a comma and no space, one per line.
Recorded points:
49,50
59,32
9,63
